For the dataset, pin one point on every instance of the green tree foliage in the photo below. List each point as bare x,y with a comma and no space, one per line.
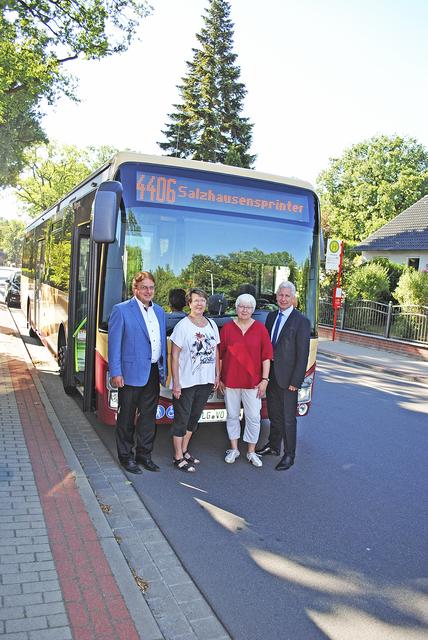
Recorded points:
36,38
53,170
412,288
369,282
11,239
370,184
165,281
394,270
231,271
207,124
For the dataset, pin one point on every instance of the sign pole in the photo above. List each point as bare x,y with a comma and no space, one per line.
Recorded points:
337,304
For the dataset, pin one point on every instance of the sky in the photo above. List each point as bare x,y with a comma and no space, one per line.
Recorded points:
321,76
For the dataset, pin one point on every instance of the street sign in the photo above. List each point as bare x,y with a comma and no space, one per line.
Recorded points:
332,258
337,297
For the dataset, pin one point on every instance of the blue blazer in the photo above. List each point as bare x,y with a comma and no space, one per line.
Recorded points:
129,347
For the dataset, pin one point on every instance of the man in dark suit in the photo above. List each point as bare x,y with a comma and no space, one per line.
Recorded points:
290,334
137,363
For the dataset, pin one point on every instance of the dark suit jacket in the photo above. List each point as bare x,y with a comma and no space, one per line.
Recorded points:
292,348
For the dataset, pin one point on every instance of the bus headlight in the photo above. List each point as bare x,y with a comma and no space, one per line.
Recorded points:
113,399
305,392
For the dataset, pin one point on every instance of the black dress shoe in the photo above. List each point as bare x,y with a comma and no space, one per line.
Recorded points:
148,464
285,463
267,450
131,466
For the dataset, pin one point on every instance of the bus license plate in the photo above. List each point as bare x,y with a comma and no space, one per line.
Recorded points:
213,415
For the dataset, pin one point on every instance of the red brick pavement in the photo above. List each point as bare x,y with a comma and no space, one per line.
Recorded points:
95,606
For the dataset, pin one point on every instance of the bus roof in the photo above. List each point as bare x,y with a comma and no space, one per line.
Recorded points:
108,171
215,167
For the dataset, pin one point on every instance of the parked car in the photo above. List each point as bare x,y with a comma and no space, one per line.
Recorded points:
5,273
13,290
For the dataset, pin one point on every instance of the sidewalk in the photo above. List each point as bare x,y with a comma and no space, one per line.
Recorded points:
381,360
80,556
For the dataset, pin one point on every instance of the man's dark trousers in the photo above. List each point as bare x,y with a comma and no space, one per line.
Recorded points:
282,405
145,400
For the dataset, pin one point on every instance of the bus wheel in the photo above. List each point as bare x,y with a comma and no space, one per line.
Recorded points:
69,389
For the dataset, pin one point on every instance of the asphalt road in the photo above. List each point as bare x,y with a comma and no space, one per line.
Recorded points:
334,548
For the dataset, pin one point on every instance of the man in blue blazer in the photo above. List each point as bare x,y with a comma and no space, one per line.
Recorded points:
138,364
290,334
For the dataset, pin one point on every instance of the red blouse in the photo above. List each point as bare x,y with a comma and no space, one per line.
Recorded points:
242,354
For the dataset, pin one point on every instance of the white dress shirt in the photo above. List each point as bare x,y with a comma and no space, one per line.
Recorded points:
282,318
153,328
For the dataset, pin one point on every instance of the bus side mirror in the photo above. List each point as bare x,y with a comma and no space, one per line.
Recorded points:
105,210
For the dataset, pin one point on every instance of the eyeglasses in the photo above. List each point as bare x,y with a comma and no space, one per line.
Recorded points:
240,306
145,288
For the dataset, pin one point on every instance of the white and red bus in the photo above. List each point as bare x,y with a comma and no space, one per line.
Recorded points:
222,228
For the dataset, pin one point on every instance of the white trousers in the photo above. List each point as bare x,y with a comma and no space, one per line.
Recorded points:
252,405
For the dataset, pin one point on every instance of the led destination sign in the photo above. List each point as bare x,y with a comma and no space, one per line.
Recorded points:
158,188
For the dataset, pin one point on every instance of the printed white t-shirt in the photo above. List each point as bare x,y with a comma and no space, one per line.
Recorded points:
198,352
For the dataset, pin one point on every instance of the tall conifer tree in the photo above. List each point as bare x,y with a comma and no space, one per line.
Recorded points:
206,124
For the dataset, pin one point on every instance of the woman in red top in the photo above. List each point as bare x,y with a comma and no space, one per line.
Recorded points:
245,355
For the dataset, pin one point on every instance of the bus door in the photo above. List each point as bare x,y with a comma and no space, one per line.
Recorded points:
78,310
38,278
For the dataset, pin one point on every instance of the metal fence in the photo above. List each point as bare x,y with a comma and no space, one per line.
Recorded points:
402,322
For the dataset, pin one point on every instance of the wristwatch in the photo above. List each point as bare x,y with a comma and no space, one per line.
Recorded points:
267,379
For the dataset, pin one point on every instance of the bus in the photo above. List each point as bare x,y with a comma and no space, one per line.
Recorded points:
225,229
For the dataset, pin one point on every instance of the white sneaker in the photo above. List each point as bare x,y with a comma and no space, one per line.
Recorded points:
254,459
231,455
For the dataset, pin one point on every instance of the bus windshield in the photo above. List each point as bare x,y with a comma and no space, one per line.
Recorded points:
221,246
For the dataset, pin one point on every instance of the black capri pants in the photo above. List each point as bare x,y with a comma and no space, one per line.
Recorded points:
188,408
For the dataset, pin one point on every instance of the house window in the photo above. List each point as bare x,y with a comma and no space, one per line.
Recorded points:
413,262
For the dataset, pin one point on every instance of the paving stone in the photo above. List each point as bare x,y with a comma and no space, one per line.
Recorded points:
58,620
22,599
26,624
185,592
208,629
11,613
18,636
44,609
10,589
51,634
196,610
30,577
39,586
34,548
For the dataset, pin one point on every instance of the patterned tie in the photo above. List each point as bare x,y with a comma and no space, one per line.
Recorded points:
276,330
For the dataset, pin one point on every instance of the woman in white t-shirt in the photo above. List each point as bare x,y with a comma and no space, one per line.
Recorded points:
195,373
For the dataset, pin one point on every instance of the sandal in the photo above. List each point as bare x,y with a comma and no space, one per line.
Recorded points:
183,465
188,456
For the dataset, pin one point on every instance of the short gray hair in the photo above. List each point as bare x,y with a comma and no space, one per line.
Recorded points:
287,285
246,299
